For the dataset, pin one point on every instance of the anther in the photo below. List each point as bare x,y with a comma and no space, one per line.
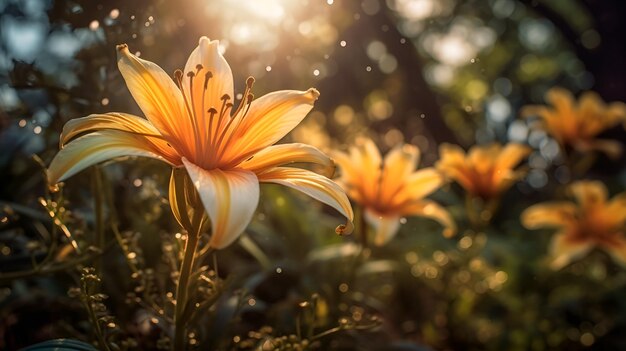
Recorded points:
250,97
198,68
190,74
212,110
178,74
249,82
225,97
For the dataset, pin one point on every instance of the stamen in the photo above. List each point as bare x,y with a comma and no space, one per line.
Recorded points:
198,68
250,82
178,77
208,75
246,94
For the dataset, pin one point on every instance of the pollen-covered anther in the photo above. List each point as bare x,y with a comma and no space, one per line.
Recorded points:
249,82
212,111
190,74
178,74
199,67
225,97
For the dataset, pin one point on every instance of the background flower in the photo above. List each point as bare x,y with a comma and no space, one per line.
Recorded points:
390,188
486,171
577,124
593,221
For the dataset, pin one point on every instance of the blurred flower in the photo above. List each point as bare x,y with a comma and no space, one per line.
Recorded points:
577,124
391,188
590,222
190,124
486,171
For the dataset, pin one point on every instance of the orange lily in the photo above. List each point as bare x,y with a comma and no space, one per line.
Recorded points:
486,171
390,188
190,124
590,222
577,124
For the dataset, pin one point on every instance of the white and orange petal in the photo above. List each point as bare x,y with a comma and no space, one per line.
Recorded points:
158,97
316,186
551,214
385,226
565,250
230,198
268,120
284,154
97,147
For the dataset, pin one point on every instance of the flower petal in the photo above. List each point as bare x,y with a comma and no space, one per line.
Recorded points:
268,120
616,247
386,227
555,214
278,155
317,187
565,250
97,147
367,161
157,96
453,165
431,209
113,120
398,165
208,55
589,194
212,79
230,199
483,157
617,207
509,157
420,184
119,121
612,148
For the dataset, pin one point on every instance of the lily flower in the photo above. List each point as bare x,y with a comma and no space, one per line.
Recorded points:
486,171
592,221
192,124
390,188
577,124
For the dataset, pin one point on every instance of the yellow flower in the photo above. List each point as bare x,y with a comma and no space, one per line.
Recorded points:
191,124
390,188
590,222
577,124
486,171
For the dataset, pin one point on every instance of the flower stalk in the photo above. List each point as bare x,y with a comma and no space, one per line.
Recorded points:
182,291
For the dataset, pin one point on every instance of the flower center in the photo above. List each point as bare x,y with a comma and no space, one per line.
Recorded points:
213,130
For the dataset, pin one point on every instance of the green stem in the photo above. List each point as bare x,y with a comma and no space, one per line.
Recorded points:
182,291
